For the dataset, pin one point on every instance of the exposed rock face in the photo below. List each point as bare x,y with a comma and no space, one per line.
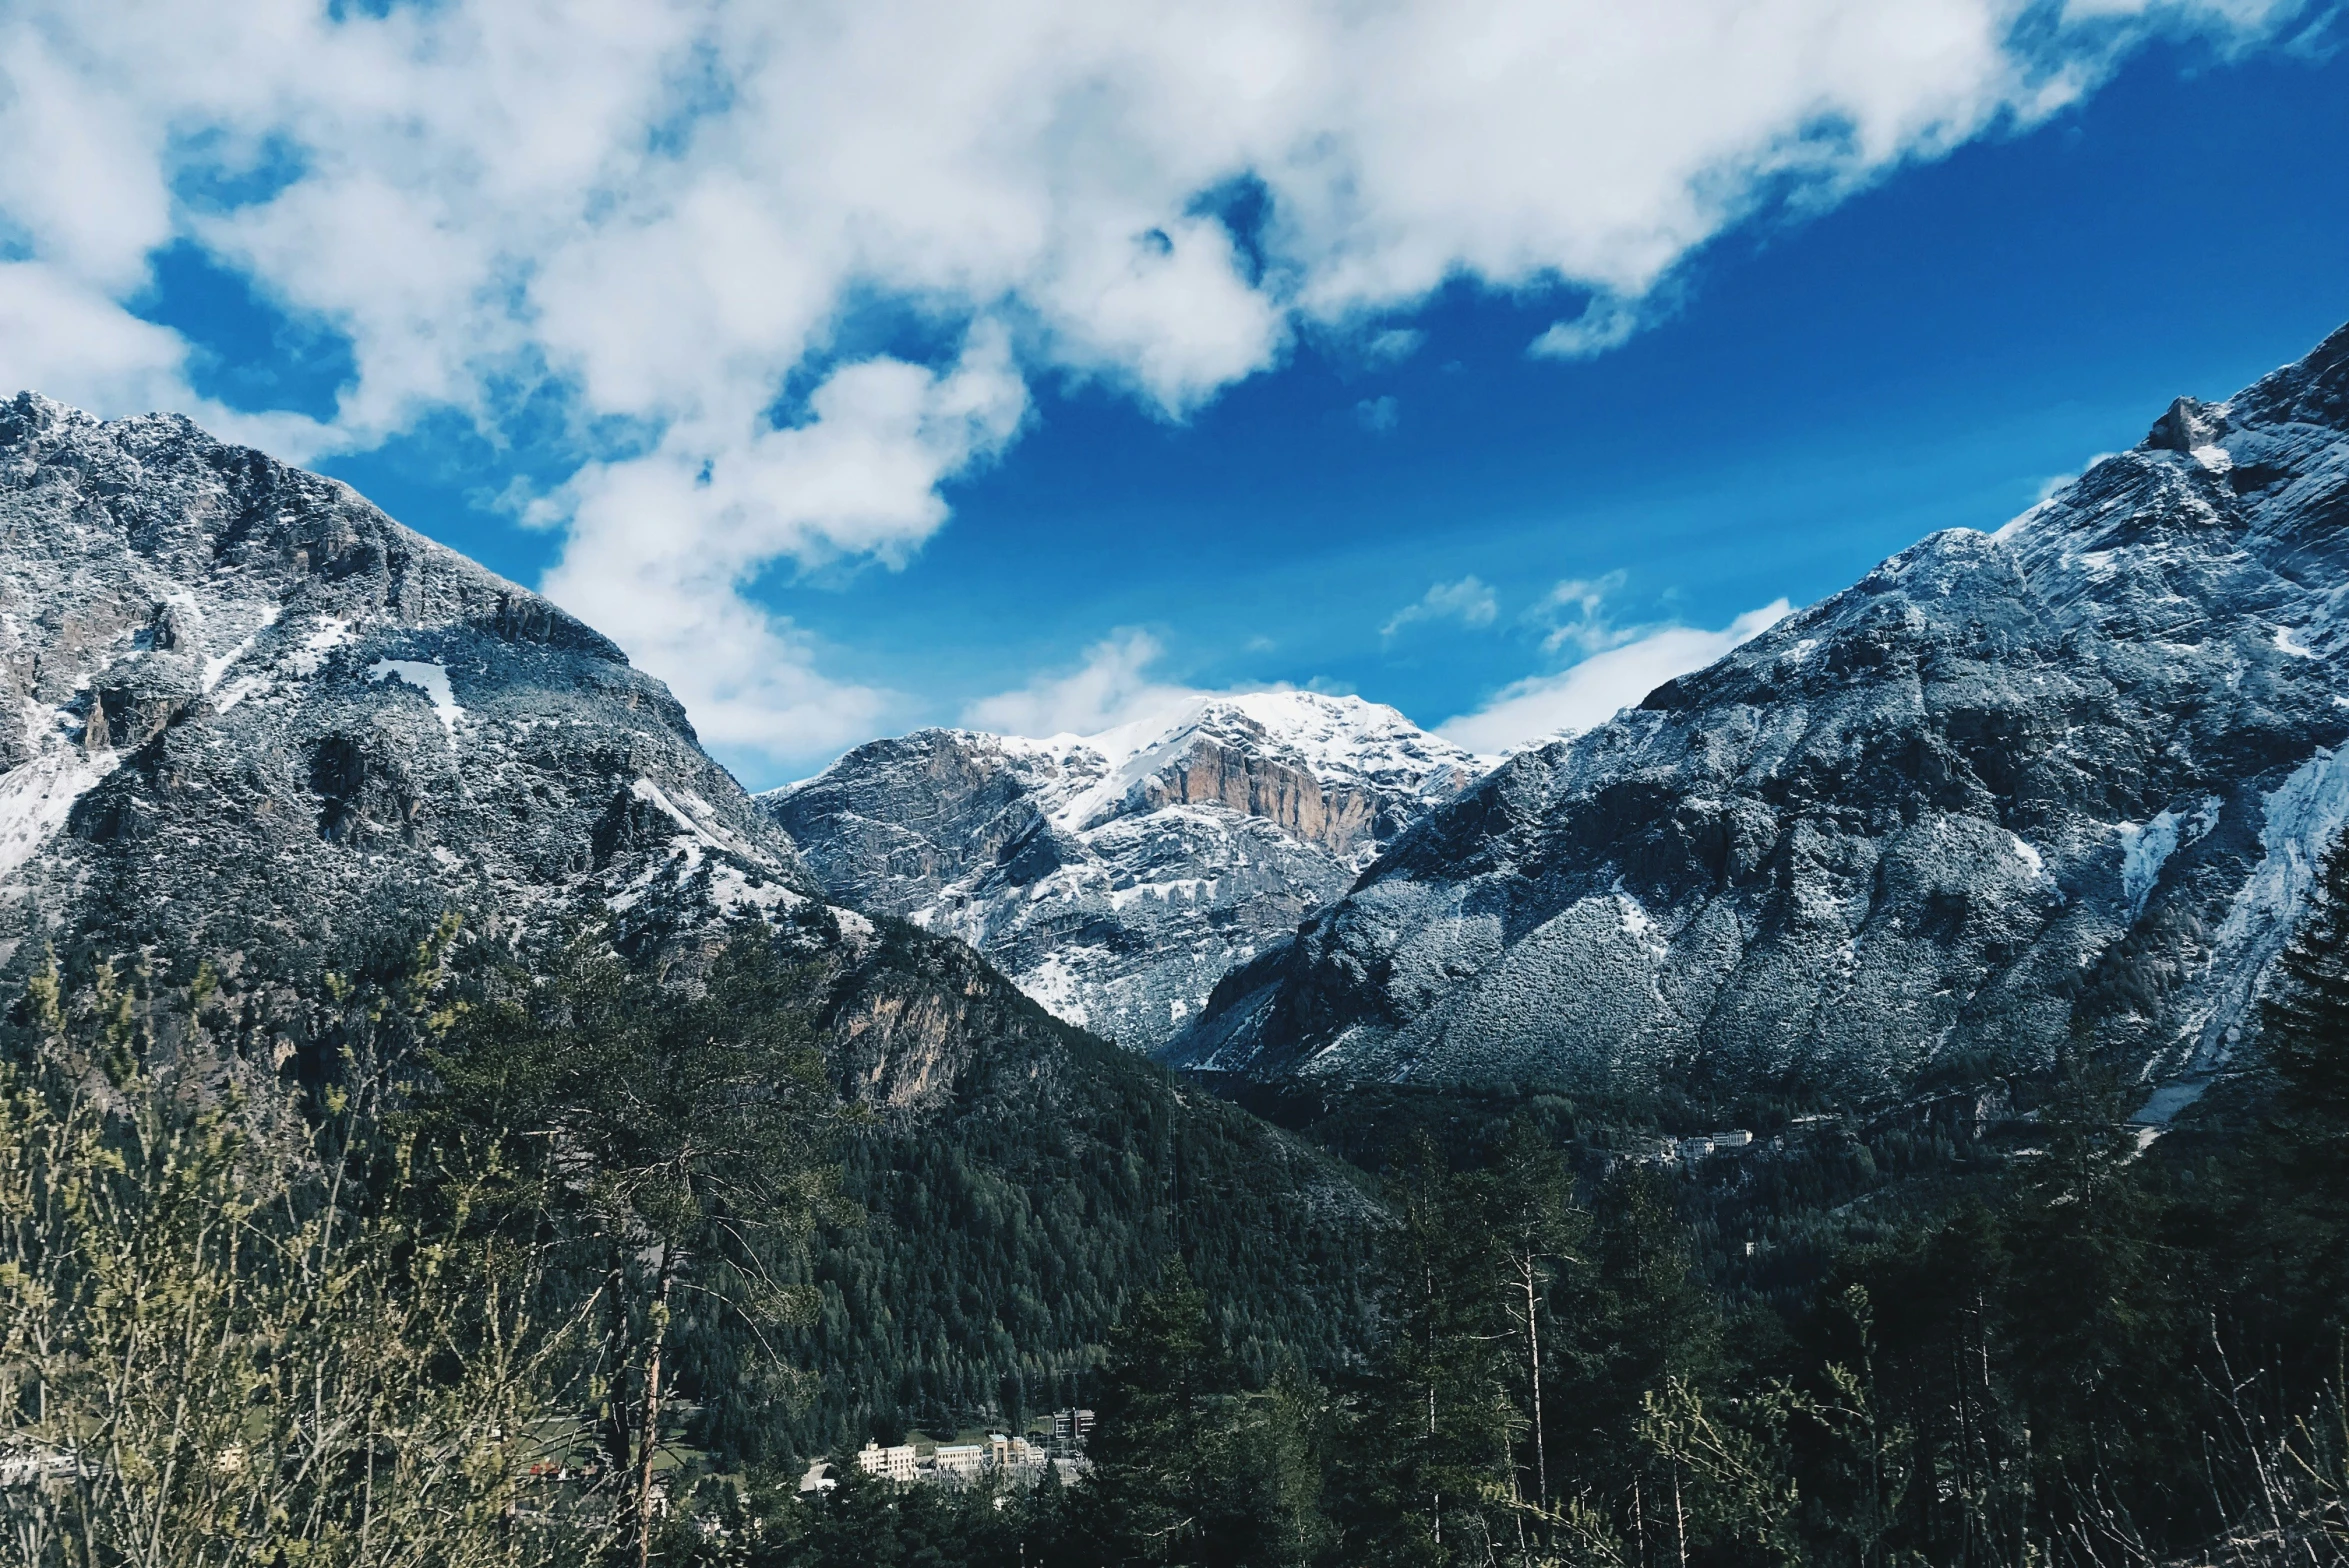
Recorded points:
242,704
2088,758
1116,877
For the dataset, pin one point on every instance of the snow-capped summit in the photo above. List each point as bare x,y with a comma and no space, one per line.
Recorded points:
1116,876
2067,780
1357,752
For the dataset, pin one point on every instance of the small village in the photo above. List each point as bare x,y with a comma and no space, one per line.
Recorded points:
1702,1146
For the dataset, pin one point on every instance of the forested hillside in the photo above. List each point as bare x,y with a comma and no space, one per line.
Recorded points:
632,1243
1020,1184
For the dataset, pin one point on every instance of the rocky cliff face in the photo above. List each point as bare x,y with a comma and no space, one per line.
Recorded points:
2071,774
240,705
1117,877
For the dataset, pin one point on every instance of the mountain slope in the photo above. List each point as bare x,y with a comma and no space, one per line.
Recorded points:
2087,758
1117,877
242,705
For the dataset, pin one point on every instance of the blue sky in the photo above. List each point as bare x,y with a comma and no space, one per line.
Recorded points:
1389,499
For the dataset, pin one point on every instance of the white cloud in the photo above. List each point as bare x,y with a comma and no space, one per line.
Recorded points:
1469,601
1595,690
1112,687
662,208
1392,345
1378,415
61,337
662,545
1606,322
2055,482
1575,613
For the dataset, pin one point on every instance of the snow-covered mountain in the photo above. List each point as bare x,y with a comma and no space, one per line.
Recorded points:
1116,877
2070,775
240,705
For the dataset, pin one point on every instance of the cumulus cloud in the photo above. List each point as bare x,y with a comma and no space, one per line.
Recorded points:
660,211
62,337
1112,687
1545,707
1469,601
1378,415
661,545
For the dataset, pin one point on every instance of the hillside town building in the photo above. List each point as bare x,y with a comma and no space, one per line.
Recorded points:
959,1464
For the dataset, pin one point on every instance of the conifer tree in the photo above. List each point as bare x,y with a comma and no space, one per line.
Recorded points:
1435,1466
1175,1476
2298,1211
2304,1016
678,1136
1539,1230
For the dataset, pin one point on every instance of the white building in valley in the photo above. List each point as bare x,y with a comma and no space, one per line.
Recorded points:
955,1464
959,1463
898,1463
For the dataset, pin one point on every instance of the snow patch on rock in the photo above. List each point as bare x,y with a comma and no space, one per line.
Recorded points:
37,796
2304,819
2035,862
310,656
2147,847
432,679
215,668
2286,642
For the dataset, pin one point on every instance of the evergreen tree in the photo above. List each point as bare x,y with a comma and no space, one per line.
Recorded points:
1648,1318
2304,1019
678,1137
1175,1478
2290,1227
1540,1231
1434,1475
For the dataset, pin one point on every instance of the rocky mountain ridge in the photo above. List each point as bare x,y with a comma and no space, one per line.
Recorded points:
243,706
2063,780
1116,877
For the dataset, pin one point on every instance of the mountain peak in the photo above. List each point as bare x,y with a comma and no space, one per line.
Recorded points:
2008,788
1116,876
235,697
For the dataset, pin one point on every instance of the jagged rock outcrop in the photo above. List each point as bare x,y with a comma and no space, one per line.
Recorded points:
2070,775
1116,877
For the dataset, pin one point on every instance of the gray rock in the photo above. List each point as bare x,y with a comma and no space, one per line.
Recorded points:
2071,774
242,705
1117,877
